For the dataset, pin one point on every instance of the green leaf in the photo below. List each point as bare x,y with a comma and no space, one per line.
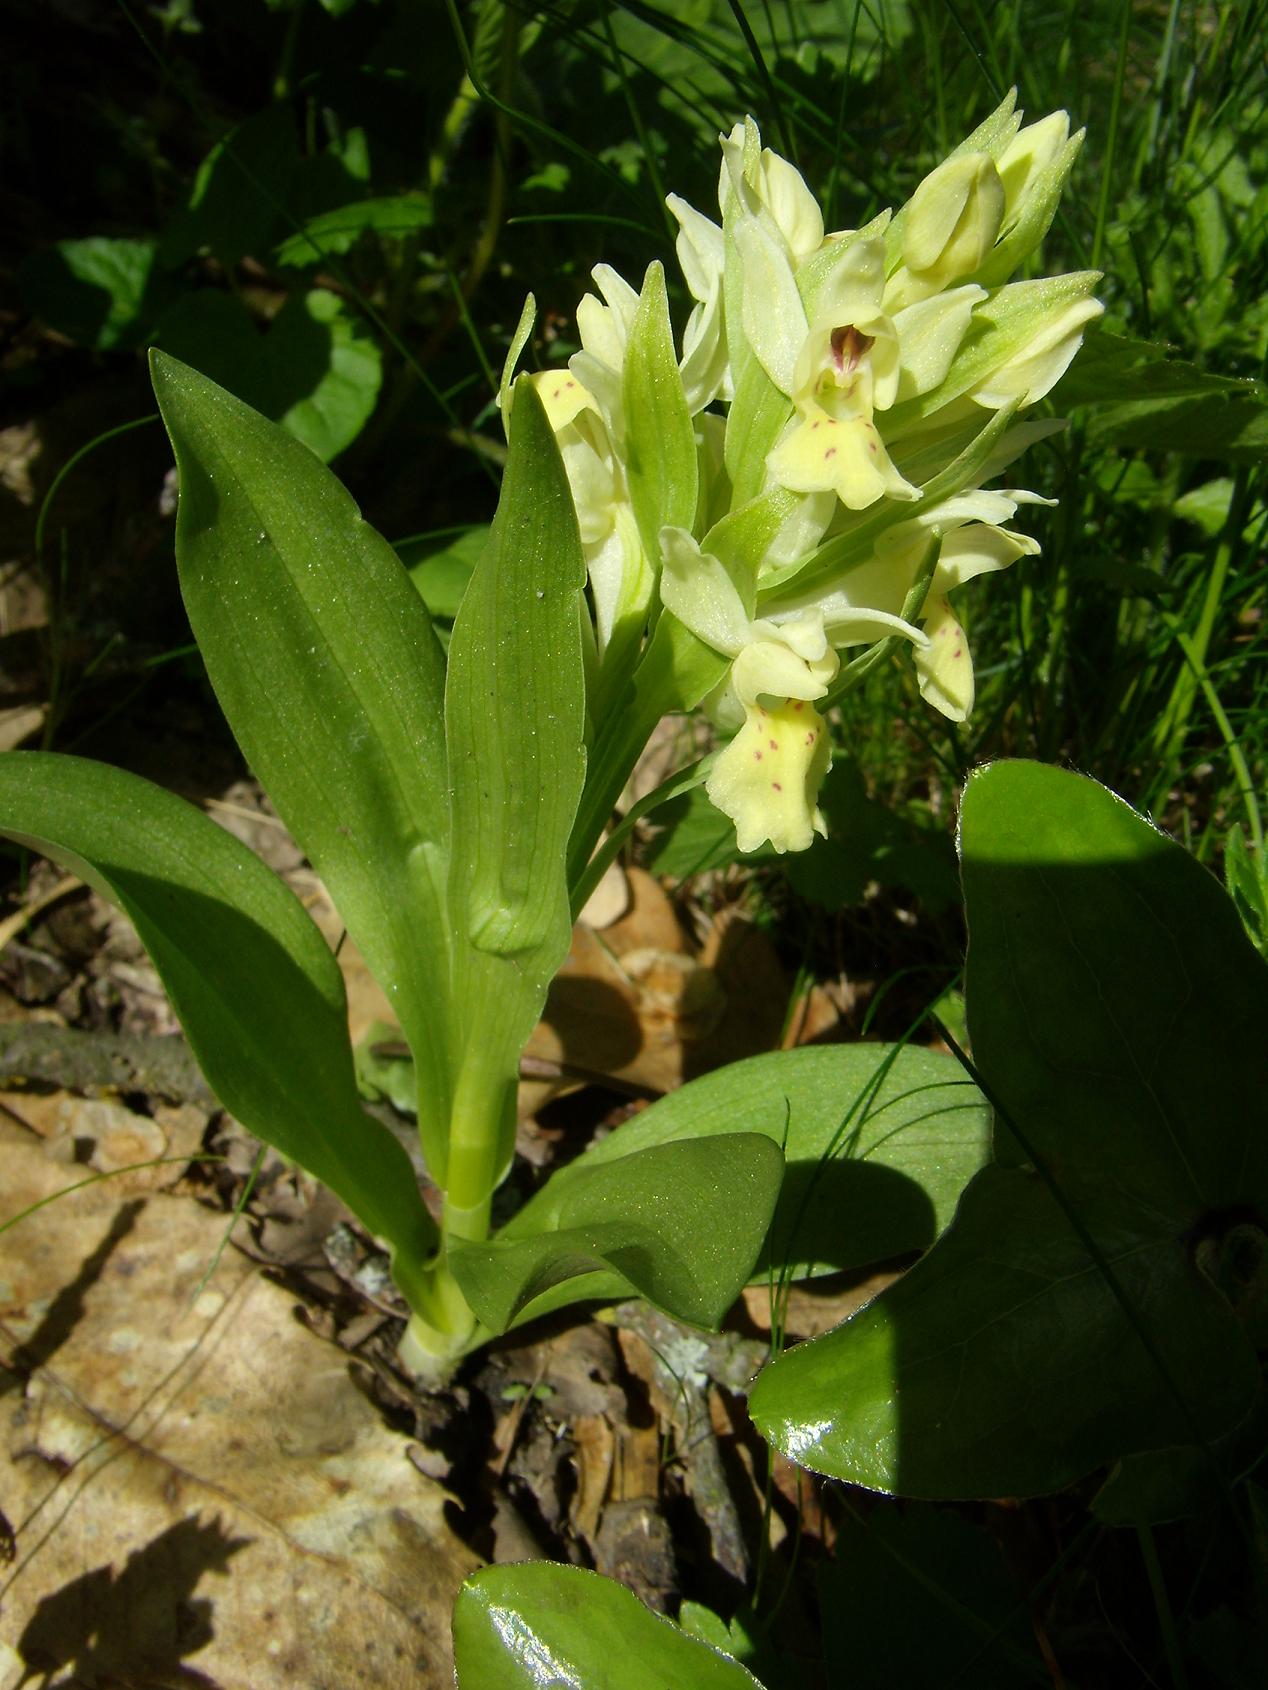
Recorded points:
315,335
515,723
324,661
315,371
515,704
1246,875
1075,1311
535,1625
679,1224
1160,1485
101,293
1229,427
660,440
338,231
1110,365
257,991
922,1597
1146,399
440,569
879,1141
239,193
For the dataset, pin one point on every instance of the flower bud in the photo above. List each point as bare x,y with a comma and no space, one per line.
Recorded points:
1027,156
953,219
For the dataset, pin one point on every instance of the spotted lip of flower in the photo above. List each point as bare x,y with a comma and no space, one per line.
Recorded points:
846,370
768,778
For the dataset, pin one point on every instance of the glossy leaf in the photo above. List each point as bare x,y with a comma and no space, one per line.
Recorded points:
679,1224
1078,1308
879,1141
536,1626
324,661
515,722
257,991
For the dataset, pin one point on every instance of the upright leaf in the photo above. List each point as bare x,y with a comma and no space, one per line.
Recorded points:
257,991
324,661
515,718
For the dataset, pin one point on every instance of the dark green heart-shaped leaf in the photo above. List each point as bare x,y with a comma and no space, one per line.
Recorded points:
921,1597
257,991
324,661
536,1626
1088,1301
679,1224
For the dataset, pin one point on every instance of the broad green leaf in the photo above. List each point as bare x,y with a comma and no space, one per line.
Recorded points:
1160,1485
1002,1364
679,1224
660,440
921,1597
1116,1007
1080,1307
257,991
325,663
515,723
338,231
99,292
316,370
315,335
879,1141
538,1626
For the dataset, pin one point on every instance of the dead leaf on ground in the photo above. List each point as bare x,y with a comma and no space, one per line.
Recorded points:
636,1005
199,1493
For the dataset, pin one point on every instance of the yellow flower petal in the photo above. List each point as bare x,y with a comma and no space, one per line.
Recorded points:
945,667
767,780
843,455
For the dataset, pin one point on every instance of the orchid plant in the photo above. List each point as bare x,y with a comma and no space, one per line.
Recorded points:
704,523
